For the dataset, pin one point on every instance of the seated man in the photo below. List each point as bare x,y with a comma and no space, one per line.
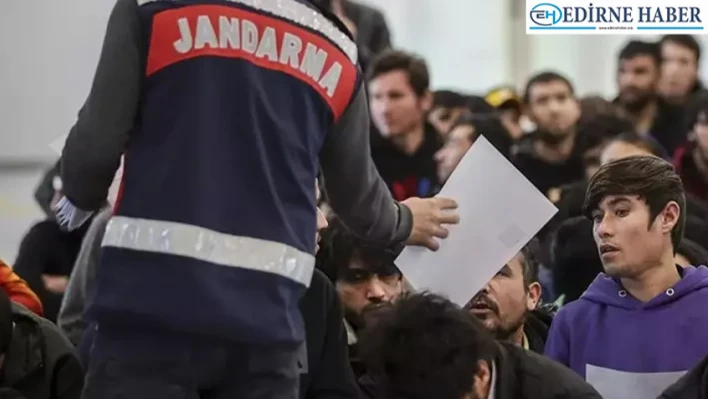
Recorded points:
36,361
365,277
642,323
426,347
508,304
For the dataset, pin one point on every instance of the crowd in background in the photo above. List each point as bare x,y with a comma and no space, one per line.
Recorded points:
531,326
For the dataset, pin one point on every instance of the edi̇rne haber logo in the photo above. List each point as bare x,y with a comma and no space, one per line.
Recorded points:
616,17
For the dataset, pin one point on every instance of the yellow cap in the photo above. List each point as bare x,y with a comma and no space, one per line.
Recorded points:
498,97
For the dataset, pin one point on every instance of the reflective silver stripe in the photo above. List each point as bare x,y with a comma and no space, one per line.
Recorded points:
209,246
300,14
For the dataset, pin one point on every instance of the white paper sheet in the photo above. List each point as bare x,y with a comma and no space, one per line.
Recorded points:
500,211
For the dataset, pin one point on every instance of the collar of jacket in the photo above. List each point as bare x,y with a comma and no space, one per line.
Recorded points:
351,334
536,327
24,358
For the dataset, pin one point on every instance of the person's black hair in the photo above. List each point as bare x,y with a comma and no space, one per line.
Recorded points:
650,178
693,252
575,261
449,99
697,106
596,130
638,48
491,127
339,246
685,41
544,78
6,324
696,230
478,105
530,263
414,66
643,142
423,347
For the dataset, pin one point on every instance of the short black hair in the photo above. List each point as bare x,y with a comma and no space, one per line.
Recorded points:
424,346
339,246
449,99
650,178
643,142
637,48
478,105
575,260
693,252
396,60
686,41
596,130
491,127
545,77
530,263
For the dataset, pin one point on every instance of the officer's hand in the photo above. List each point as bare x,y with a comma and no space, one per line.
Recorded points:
429,216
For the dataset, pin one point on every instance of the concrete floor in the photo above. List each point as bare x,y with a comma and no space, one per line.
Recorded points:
18,210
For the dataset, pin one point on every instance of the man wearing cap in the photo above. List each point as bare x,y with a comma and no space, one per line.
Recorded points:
508,103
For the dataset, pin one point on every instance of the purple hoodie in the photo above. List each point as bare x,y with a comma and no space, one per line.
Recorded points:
628,349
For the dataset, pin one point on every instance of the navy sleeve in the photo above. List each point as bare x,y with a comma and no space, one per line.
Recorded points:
95,144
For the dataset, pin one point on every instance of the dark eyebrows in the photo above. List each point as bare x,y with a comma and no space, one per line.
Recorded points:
618,201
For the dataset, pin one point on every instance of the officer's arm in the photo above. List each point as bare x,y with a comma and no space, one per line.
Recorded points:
356,192
93,149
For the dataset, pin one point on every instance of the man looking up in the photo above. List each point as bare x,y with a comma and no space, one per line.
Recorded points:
642,323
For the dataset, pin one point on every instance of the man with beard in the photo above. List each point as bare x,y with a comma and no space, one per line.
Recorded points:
426,347
642,324
365,277
638,76
550,156
507,305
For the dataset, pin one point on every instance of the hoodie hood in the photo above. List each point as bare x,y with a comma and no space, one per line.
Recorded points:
609,291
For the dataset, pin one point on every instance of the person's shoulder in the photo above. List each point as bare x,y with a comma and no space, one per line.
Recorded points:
547,377
55,343
44,230
319,295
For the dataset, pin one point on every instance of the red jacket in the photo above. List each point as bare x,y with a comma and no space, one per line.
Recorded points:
18,290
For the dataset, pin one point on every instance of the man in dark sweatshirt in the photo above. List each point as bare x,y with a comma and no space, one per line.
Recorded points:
223,134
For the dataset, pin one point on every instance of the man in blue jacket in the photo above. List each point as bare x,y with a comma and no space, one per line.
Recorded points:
224,111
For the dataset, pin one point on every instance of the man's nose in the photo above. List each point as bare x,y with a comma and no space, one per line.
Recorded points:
603,228
376,289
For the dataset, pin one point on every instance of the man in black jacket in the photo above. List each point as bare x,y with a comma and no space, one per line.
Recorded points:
324,370
326,374
427,347
693,385
36,361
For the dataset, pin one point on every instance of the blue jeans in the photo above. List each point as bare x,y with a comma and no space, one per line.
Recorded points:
144,365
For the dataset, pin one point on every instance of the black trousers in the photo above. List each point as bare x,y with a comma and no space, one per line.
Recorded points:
140,365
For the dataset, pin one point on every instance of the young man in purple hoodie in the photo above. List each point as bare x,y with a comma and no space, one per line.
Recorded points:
643,323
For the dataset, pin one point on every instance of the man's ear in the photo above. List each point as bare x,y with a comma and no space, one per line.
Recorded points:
669,217
533,296
482,380
426,101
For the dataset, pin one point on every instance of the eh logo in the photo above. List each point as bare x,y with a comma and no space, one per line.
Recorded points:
546,14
